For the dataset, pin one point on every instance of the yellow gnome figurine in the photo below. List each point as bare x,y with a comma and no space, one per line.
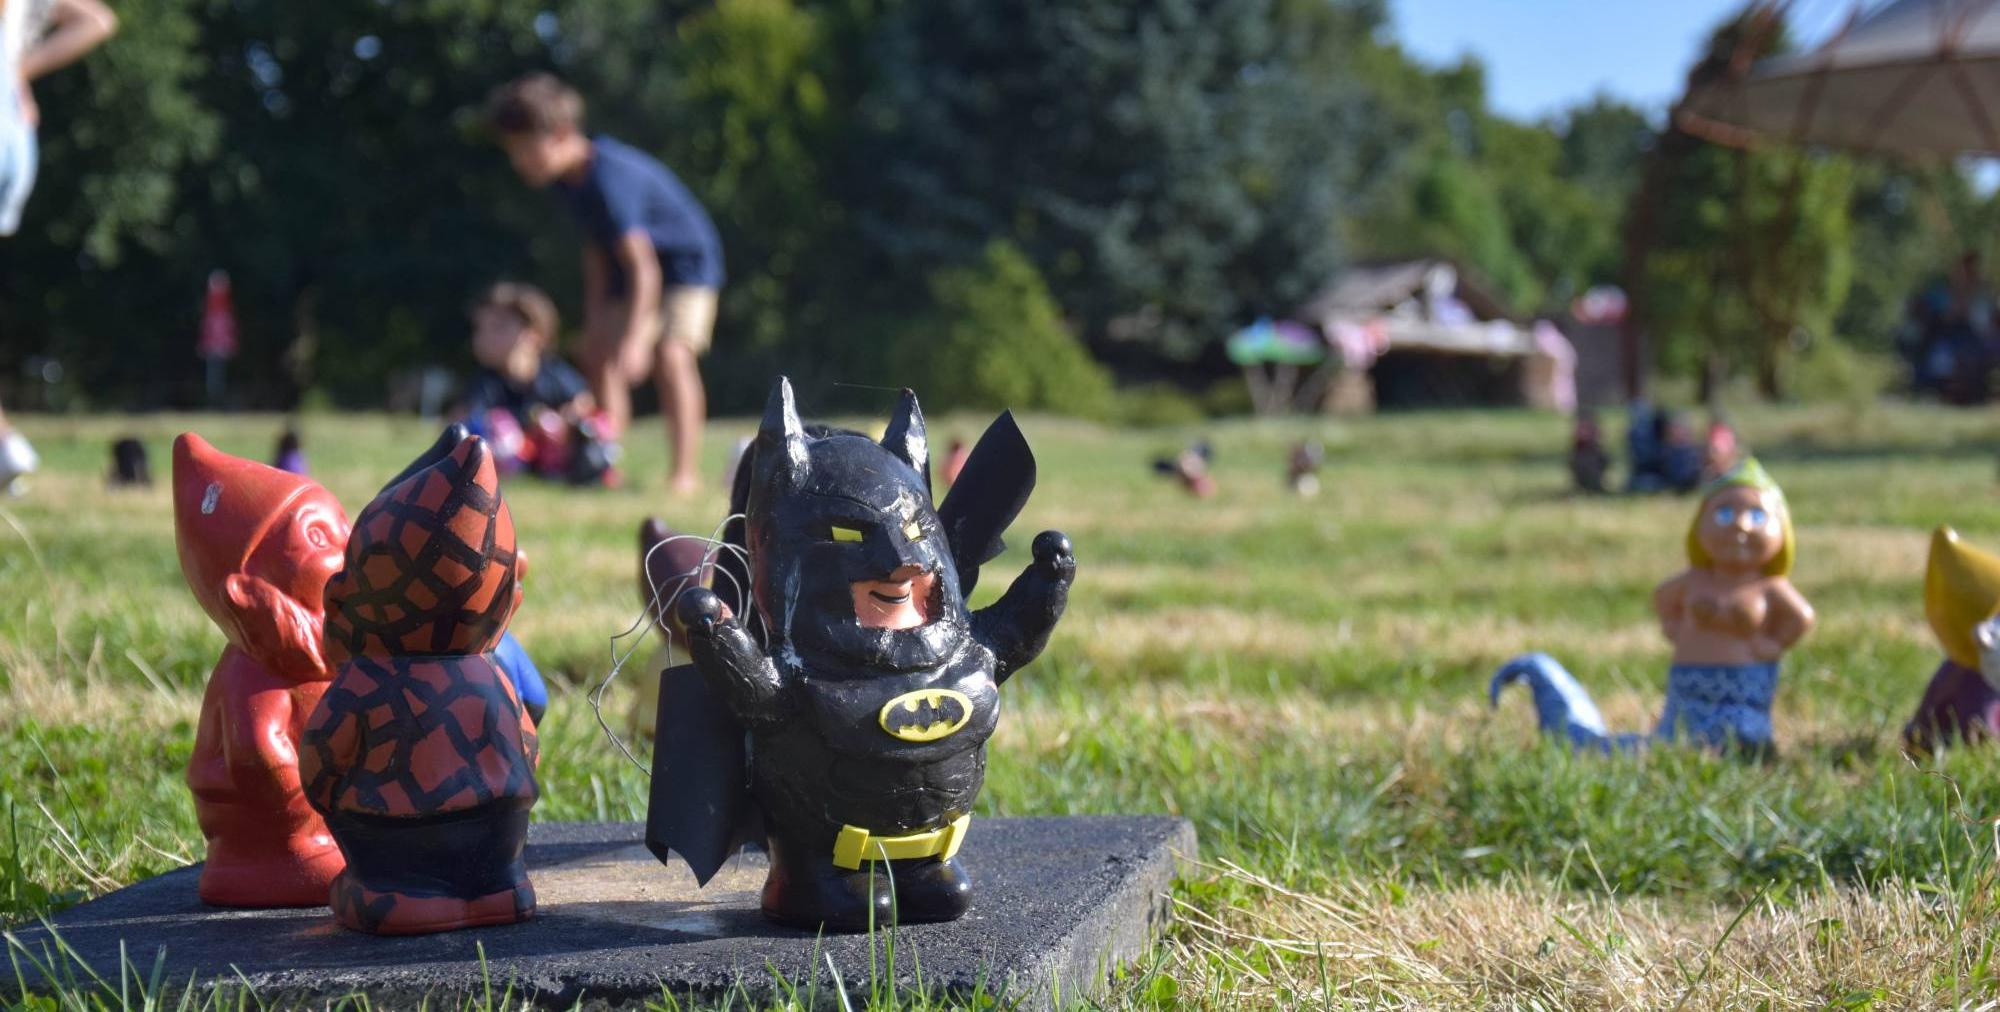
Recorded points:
1961,595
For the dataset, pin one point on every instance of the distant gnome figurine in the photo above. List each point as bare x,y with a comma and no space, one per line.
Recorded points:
1961,598
1190,467
421,755
1730,617
1589,463
290,454
867,689
1302,470
130,467
257,545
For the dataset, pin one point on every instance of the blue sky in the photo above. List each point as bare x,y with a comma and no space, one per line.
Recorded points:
1543,55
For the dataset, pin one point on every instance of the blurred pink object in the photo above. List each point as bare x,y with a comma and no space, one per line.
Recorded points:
218,320
954,461
736,452
1721,452
1359,343
509,444
1562,386
548,443
1603,305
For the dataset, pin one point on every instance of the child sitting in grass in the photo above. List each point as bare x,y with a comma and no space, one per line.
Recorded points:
531,405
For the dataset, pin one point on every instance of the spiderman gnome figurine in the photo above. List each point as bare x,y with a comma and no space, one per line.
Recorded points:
421,755
840,714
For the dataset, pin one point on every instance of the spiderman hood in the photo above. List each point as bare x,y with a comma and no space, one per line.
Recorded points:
432,568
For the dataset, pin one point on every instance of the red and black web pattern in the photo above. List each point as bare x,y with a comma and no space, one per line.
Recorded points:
416,736
431,566
396,913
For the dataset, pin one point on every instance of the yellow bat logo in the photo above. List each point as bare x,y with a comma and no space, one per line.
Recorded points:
926,714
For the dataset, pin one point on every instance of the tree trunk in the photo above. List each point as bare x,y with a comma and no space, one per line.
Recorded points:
1713,372
1770,379
1641,228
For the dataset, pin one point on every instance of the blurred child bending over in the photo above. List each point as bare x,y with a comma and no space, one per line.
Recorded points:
652,263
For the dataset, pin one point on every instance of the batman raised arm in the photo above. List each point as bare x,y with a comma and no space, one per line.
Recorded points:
750,685
1017,627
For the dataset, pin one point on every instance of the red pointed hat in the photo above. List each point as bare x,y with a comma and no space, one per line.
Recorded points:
431,567
223,506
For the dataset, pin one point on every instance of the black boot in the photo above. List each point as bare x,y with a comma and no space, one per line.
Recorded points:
810,893
929,890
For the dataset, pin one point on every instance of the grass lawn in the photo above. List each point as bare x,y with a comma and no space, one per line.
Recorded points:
1304,679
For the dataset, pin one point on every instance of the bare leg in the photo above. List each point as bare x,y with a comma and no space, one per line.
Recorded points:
17,458
608,384
684,406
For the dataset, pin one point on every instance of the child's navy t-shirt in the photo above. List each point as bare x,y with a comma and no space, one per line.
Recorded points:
624,190
553,387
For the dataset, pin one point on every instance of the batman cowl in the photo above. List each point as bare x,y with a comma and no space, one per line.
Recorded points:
841,711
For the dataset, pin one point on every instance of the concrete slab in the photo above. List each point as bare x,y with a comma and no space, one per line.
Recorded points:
1060,902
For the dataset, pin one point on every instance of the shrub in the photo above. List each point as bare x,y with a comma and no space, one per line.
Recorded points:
1831,371
995,338
1156,405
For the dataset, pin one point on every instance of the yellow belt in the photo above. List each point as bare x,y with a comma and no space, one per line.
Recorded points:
855,845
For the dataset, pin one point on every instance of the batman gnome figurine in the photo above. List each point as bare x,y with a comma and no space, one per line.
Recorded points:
865,689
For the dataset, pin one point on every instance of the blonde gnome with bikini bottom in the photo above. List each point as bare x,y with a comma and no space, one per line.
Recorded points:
1730,616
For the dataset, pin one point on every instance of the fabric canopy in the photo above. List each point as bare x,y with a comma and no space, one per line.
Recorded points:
1280,343
1911,77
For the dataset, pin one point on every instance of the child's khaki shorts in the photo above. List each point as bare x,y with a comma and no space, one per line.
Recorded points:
687,317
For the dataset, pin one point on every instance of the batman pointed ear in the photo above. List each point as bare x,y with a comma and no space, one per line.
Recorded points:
781,460
905,436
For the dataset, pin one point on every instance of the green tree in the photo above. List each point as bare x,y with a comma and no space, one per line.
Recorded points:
1173,166
761,126
1534,208
1450,208
1745,255
1435,198
1909,224
1604,142
1157,172
128,113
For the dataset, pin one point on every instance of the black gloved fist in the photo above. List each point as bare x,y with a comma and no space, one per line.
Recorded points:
699,611
1053,553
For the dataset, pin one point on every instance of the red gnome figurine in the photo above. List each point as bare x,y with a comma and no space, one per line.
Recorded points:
420,755
257,545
